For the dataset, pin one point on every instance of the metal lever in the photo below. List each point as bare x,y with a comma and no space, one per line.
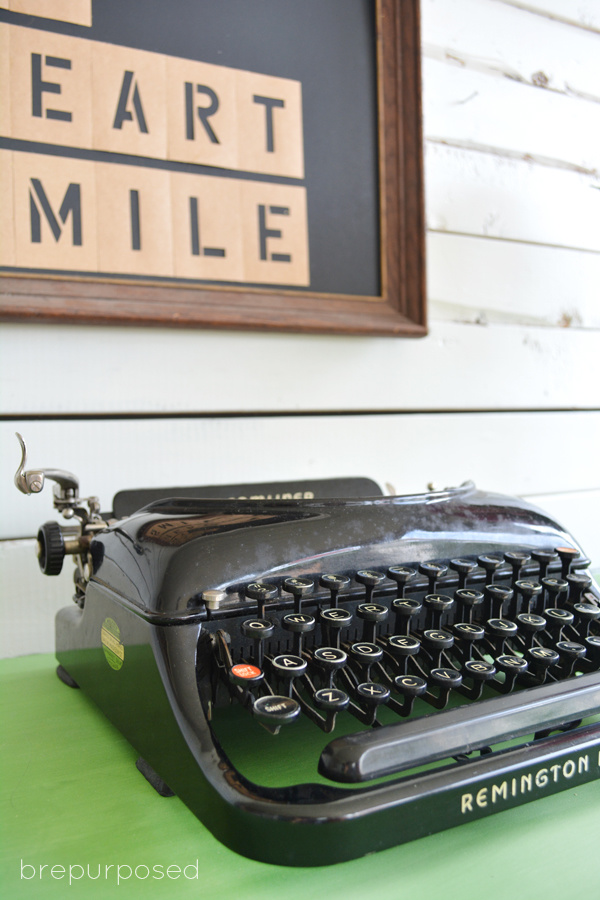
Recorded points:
32,482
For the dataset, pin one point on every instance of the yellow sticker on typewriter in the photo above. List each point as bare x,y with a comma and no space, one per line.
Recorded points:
114,650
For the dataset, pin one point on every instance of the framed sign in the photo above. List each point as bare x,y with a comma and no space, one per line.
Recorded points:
242,164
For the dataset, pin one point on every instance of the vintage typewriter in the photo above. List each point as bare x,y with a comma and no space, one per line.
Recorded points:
321,678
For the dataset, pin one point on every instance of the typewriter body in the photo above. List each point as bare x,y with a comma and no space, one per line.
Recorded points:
321,678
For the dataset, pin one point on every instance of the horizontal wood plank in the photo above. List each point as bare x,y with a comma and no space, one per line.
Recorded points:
78,370
474,279
493,112
495,37
471,192
583,13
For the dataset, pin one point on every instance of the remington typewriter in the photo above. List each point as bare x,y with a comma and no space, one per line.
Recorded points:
319,678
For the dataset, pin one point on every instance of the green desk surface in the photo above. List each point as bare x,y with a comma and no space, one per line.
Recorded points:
71,796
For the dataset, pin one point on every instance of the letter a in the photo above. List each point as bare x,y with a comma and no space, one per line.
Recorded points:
123,114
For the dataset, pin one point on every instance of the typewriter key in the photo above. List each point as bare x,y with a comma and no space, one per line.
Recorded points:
274,710
366,653
259,630
578,582
445,677
262,593
433,571
530,624
299,588
497,598
592,646
571,649
401,575
567,555
479,670
541,659
570,653
467,599
586,613
298,624
516,560
334,584
435,642
438,604
403,645
330,658
464,567
409,687
370,580
530,591
331,699
491,564
467,631
557,619
554,587
498,631
245,675
372,693
405,610
447,680
333,620
436,639
512,667
371,614
543,558
286,667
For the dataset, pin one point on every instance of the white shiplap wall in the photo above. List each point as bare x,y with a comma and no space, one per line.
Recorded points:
505,389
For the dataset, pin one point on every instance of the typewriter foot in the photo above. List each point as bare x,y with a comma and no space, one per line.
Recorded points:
66,678
161,787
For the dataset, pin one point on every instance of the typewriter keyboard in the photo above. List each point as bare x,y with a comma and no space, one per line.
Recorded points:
383,646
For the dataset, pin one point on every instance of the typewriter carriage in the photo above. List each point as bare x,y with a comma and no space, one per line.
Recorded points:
161,600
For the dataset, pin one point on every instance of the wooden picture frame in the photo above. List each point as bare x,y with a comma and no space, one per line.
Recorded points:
397,308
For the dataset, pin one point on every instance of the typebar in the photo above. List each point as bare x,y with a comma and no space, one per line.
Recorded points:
394,748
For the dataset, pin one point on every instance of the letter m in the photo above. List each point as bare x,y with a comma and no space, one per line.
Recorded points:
39,203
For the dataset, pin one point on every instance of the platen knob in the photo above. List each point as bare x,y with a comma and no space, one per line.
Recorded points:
51,548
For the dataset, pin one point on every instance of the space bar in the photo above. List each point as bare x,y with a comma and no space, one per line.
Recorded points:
416,742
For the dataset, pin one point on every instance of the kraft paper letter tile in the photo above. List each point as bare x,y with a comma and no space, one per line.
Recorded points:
7,235
79,12
207,227
275,234
270,125
129,101
50,77
134,220
55,213
202,113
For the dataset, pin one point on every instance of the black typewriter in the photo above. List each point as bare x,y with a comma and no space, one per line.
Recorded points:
320,678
